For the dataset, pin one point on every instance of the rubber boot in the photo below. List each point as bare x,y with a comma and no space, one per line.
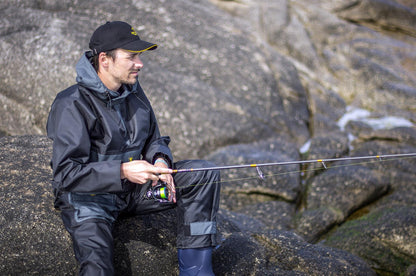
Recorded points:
195,261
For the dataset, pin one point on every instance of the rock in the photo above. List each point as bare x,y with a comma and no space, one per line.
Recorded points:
386,14
265,212
386,238
411,270
248,181
240,254
334,195
361,65
399,135
146,245
294,98
290,253
334,145
31,232
326,108
346,187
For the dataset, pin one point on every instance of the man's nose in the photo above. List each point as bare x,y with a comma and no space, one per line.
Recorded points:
138,62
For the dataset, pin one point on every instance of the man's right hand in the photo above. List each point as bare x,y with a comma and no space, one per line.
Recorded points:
140,171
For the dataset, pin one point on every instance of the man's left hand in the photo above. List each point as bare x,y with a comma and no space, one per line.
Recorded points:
168,179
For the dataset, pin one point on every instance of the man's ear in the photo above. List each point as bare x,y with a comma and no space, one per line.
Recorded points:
103,59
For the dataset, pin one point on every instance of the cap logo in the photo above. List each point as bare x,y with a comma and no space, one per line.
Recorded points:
133,32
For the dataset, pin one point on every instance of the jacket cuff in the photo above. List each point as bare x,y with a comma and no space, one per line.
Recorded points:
163,156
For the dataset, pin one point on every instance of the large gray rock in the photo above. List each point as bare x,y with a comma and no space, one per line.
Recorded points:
386,14
345,190
276,183
283,253
386,238
31,232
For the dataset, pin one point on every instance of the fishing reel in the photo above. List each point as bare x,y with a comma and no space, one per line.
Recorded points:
158,193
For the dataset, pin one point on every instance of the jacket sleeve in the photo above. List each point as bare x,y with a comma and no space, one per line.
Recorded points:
72,170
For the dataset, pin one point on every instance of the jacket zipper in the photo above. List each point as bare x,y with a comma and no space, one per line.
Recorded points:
116,107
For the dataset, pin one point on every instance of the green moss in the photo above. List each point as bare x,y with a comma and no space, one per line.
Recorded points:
364,237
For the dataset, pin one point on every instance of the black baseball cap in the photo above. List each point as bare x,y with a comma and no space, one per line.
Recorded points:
118,34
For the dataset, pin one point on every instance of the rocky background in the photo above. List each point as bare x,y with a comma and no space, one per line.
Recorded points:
236,82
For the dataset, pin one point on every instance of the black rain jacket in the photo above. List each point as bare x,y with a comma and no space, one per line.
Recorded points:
94,129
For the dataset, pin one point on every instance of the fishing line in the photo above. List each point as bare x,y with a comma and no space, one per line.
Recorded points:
323,162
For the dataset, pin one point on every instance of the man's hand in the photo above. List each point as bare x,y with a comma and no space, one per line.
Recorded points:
140,172
168,179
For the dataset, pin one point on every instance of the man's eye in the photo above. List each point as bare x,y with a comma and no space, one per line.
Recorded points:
133,56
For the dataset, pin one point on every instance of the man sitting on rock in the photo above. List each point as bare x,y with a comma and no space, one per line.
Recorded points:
108,154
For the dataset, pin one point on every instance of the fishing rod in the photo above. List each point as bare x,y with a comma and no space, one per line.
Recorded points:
161,193
321,161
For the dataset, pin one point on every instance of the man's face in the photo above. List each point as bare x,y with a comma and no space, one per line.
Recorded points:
125,67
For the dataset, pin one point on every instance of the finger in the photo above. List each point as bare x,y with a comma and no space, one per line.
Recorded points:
171,187
160,170
153,177
172,196
172,190
166,178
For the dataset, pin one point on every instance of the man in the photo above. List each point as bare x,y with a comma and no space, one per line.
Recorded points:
108,153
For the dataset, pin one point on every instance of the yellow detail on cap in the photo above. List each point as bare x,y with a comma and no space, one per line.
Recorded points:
133,32
130,159
150,48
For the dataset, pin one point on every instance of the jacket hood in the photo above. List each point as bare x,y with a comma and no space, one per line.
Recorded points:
88,78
